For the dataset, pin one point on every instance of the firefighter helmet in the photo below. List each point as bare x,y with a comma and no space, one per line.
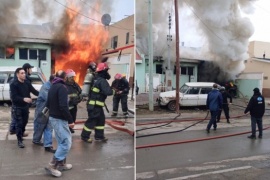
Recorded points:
70,73
102,67
92,66
118,76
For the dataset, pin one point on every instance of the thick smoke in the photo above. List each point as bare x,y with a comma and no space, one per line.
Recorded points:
220,22
8,21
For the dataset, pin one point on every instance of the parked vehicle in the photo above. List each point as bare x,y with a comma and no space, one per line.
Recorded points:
7,74
191,94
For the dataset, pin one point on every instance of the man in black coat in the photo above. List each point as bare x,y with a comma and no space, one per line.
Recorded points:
256,107
20,90
225,105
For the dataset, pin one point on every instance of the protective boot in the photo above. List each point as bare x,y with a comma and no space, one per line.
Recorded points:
63,166
52,168
99,135
125,114
85,135
228,121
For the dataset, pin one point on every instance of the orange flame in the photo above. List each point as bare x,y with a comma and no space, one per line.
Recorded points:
86,43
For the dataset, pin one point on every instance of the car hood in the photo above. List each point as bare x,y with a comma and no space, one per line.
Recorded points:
169,94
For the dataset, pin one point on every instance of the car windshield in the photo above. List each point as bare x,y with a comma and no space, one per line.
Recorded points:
184,88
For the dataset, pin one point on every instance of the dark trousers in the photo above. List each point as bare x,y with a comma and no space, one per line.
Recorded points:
73,113
213,120
116,99
12,127
95,121
225,107
21,118
257,121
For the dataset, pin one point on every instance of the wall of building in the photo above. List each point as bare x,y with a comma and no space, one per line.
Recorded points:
45,65
258,48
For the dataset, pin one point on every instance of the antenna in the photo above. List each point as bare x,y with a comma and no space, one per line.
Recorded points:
106,19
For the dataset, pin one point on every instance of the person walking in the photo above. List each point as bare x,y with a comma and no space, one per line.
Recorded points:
60,119
41,125
20,94
28,71
96,118
256,107
225,105
74,95
214,104
121,86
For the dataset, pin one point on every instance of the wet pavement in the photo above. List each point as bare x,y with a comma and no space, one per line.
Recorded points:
112,160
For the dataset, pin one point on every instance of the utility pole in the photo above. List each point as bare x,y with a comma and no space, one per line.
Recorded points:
168,73
150,56
177,56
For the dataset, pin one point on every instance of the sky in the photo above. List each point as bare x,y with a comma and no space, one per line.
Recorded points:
118,9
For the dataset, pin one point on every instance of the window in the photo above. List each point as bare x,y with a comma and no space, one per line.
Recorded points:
3,77
205,90
193,90
187,71
33,54
35,79
23,53
127,38
7,52
158,68
114,42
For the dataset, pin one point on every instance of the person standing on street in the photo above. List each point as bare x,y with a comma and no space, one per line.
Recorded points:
256,107
41,125
28,71
96,117
74,94
214,104
20,94
60,119
225,105
121,86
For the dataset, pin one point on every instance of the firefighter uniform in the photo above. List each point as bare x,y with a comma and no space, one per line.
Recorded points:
96,118
120,85
225,106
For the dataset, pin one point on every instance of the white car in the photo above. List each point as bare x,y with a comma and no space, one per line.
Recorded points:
191,94
7,74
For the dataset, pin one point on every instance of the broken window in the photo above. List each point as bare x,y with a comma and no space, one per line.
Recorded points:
7,52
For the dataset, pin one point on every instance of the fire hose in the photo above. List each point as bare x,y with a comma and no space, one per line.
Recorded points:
192,140
116,124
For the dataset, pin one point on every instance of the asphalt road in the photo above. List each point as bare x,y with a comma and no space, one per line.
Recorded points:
234,157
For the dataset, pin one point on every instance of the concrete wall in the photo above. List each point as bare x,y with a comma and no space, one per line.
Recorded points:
258,48
44,65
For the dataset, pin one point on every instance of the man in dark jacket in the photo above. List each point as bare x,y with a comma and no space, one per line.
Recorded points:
28,71
20,94
121,86
225,105
256,107
60,119
96,117
214,104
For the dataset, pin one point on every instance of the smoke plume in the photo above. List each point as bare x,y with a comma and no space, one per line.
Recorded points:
8,21
220,22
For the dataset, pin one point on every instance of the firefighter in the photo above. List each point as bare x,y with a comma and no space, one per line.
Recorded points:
89,79
225,105
99,92
74,94
120,84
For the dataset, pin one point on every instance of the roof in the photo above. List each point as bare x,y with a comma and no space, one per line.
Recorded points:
266,60
201,84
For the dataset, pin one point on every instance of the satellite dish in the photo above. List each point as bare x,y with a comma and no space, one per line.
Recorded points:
106,19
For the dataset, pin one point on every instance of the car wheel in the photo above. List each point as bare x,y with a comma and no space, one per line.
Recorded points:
171,105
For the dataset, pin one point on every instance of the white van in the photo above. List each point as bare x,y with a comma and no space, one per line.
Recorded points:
191,94
7,74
